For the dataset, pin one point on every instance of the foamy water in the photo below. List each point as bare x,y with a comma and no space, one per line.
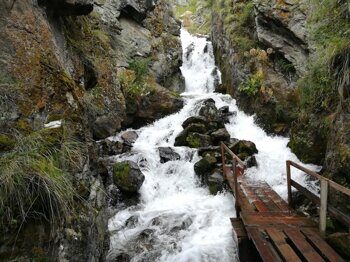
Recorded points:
183,222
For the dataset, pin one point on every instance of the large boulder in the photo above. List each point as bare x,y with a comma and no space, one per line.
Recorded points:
244,148
167,154
128,177
182,138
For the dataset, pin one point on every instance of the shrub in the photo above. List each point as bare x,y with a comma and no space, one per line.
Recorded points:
253,84
34,177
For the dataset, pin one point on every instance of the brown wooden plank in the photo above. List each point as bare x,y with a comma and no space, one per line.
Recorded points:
261,193
285,250
261,219
306,250
279,201
321,245
253,197
265,249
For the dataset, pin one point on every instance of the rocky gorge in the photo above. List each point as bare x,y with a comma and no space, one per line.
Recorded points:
110,129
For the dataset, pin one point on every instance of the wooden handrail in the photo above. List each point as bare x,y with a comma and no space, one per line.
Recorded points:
323,199
235,160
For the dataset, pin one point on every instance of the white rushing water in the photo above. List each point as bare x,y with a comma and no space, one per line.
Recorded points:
177,219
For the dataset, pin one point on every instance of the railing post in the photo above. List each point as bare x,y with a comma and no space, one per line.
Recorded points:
289,184
323,207
223,159
234,163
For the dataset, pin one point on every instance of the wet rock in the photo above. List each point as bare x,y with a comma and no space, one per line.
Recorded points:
209,150
341,243
147,233
194,120
196,140
251,161
225,114
131,221
167,154
209,110
205,166
128,177
129,137
216,182
244,147
220,135
105,126
182,138
108,147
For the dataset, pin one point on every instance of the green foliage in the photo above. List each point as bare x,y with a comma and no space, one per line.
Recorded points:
34,177
136,82
252,85
121,173
140,67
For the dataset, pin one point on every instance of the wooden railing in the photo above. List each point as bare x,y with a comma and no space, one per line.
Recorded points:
238,167
322,201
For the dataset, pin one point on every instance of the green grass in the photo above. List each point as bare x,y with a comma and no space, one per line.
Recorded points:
35,180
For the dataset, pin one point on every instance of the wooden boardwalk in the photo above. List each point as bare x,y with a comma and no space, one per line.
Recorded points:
266,228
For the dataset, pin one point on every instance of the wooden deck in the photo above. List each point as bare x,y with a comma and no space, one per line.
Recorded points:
267,229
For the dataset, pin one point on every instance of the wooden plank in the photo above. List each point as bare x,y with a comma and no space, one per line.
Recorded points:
265,249
253,198
321,245
261,193
279,201
259,220
306,250
279,240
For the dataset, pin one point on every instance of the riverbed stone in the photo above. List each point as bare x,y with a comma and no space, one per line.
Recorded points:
129,137
244,147
216,182
167,154
182,138
205,166
128,177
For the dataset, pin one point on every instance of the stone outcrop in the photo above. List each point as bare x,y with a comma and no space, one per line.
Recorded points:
62,61
261,53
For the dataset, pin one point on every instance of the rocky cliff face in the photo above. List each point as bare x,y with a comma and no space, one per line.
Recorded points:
92,68
273,61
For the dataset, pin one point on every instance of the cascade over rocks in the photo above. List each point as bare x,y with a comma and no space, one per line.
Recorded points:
206,132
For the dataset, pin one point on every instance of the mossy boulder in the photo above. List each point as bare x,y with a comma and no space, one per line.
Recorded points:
196,140
216,182
183,138
194,120
244,148
128,177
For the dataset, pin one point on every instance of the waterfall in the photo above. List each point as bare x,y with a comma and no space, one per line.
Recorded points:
177,218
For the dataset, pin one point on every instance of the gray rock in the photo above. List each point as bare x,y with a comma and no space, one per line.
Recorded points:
128,177
129,137
167,154
220,135
209,110
216,182
194,120
105,126
182,138
197,140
